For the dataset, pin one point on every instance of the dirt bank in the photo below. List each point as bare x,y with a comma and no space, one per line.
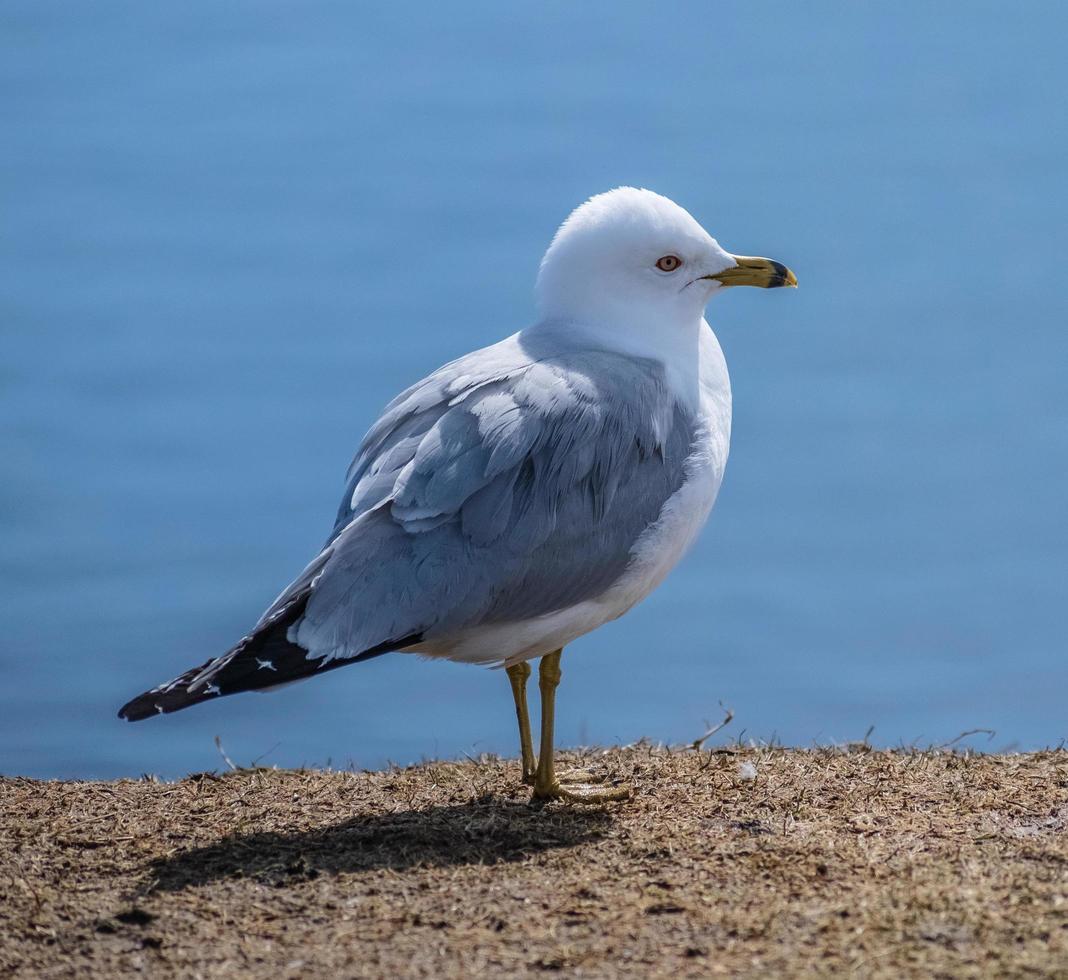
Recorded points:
751,862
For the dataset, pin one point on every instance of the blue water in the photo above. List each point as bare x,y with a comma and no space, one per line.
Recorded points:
230,233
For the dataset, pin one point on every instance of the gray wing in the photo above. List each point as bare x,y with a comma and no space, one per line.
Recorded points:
509,484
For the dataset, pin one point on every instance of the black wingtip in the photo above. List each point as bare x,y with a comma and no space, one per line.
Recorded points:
138,709
242,670
172,696
151,704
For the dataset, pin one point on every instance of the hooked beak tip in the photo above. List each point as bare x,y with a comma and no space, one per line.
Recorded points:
751,270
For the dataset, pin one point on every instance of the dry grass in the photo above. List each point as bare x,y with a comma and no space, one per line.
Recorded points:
878,863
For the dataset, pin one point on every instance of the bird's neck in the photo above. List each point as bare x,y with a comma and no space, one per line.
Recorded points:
677,346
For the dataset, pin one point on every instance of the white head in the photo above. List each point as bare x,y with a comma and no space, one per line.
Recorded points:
631,256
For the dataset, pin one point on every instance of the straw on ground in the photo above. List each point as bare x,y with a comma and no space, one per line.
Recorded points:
752,862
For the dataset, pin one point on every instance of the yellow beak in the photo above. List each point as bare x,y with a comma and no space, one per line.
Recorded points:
754,271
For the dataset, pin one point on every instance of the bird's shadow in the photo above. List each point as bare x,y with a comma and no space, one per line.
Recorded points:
482,831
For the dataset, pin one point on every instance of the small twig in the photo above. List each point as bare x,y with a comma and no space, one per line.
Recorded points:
222,752
728,717
256,761
988,732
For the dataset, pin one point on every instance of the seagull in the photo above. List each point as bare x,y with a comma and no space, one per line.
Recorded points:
525,494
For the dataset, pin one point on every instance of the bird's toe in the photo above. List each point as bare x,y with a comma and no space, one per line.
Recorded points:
583,793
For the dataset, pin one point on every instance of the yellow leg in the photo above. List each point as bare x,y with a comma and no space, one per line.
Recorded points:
518,674
546,785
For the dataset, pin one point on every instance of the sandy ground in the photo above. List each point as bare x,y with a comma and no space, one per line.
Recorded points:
744,862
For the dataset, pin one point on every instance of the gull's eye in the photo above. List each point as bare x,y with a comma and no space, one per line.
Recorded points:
668,263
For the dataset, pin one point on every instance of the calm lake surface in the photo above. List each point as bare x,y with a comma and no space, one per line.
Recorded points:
229,234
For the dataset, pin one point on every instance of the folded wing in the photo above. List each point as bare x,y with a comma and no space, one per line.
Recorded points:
506,485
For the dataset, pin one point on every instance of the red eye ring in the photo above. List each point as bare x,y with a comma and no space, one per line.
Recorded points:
668,263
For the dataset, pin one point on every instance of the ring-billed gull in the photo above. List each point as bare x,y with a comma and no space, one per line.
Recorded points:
529,492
